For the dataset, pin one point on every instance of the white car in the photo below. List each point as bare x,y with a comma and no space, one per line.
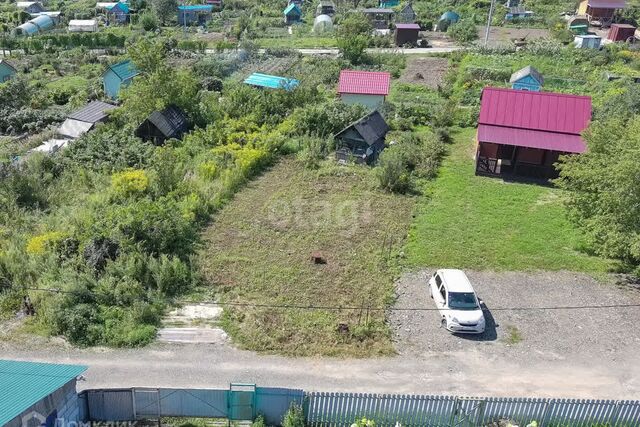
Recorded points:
457,302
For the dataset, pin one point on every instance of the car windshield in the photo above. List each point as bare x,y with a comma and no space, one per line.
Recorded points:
462,301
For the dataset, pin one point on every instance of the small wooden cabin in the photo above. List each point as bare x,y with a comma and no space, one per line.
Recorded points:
523,132
622,33
527,78
7,71
118,76
601,11
406,34
380,18
163,125
362,141
292,14
406,15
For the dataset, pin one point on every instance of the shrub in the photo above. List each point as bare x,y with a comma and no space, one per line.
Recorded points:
129,182
463,31
149,21
294,417
314,151
392,171
38,245
259,422
98,251
363,422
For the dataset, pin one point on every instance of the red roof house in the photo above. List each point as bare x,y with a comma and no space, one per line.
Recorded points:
601,11
524,133
363,87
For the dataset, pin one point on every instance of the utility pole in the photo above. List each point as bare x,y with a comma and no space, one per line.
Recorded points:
486,34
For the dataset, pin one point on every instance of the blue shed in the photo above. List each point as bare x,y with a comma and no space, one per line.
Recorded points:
118,76
527,78
7,71
271,82
292,14
118,13
198,14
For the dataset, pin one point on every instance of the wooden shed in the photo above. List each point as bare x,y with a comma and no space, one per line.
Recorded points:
380,18
163,125
7,71
622,33
292,14
406,15
363,140
524,133
118,76
527,78
600,11
406,34
194,14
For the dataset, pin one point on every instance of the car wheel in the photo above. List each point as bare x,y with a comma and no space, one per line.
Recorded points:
443,323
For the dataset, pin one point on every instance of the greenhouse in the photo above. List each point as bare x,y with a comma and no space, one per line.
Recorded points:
322,24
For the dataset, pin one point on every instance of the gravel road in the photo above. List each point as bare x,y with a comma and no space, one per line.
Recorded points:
602,334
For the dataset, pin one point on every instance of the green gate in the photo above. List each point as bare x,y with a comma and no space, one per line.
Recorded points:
242,402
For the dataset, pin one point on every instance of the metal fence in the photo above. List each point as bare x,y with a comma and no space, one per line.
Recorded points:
341,409
239,402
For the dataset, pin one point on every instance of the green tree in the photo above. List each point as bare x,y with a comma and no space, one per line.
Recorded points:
164,9
603,195
353,36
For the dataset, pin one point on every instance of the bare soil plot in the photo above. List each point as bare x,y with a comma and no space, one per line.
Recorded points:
259,251
428,71
499,36
526,335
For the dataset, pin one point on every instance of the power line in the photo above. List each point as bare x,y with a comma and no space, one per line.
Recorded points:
339,308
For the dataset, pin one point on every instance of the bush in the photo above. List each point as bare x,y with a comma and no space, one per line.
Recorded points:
294,417
129,182
149,21
259,422
38,245
463,31
314,151
392,171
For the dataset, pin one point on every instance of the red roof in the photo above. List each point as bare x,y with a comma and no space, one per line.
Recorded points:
547,120
364,82
607,4
408,26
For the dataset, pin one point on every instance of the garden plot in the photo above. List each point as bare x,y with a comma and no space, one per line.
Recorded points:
297,237
500,36
429,71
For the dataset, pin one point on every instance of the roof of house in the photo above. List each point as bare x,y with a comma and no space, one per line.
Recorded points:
170,122
122,6
407,8
364,82
377,10
607,4
196,8
623,26
400,26
371,127
26,4
125,70
22,384
8,64
93,112
293,9
272,82
544,120
527,71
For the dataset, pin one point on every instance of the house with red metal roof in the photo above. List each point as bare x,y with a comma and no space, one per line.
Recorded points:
523,133
363,87
601,11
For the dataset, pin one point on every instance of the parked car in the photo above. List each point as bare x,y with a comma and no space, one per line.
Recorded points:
457,302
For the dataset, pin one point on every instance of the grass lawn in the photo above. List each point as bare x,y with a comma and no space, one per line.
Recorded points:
258,250
466,221
293,42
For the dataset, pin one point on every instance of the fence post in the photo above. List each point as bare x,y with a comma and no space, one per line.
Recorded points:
133,403
454,413
543,418
613,420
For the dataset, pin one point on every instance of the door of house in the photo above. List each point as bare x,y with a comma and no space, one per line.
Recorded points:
242,399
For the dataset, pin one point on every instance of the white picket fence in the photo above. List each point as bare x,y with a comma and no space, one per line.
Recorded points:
341,409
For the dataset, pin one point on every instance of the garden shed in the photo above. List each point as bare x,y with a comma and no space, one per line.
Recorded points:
326,7
518,12
368,88
601,11
198,14
30,7
363,140
380,18
83,26
83,120
388,4
322,24
527,78
292,14
524,132
406,34
162,125
117,13
622,33
7,71
271,82
406,15
446,20
117,76
587,41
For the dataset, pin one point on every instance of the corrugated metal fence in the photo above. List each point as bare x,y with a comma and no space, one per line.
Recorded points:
341,409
